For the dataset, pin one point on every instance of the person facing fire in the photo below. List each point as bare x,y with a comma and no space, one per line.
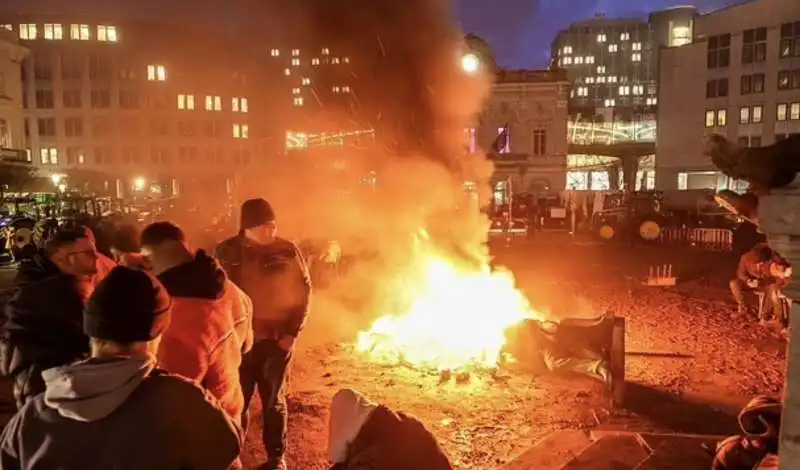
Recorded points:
116,409
43,320
764,270
211,318
363,435
272,271
546,344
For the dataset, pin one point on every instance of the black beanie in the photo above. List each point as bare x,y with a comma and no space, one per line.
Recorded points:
255,212
128,306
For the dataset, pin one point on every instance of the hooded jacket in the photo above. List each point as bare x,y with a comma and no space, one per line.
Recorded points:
43,326
211,328
275,277
118,413
368,436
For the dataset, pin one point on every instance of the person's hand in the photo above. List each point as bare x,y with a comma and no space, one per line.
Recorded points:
752,283
286,343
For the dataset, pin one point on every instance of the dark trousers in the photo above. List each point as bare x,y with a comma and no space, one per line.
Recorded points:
266,367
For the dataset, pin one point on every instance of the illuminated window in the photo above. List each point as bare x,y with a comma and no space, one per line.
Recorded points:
186,102
680,35
336,89
315,61
295,52
794,111
239,105
213,103
758,114
503,143
79,32
579,60
107,33
27,31
717,118
652,101
346,60
156,73
8,27
783,109
295,91
346,89
582,91
589,59
744,115
613,48
589,79
48,156
287,72
638,90
624,36
53,31
298,101
601,69
335,60
637,46
636,57
326,51
612,79
601,79
275,53
240,131
306,81
295,62
601,38
610,103
567,60
567,49
624,90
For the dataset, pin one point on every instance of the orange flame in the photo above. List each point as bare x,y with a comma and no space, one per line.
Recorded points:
457,319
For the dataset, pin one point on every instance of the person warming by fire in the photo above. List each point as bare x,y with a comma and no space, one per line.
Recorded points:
762,270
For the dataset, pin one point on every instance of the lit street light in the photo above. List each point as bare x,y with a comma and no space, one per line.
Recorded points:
56,178
139,184
470,62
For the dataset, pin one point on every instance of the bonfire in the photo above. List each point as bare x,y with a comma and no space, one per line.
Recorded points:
457,316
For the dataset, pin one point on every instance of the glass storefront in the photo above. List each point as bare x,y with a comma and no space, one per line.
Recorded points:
709,180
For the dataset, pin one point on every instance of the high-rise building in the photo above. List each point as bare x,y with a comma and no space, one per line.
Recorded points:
613,66
12,139
739,76
138,101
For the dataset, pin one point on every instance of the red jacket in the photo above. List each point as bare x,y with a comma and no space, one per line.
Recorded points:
211,328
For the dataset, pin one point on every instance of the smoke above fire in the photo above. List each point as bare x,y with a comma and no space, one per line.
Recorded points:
410,88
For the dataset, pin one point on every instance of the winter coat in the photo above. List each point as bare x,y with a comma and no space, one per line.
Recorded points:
373,437
43,326
119,413
275,277
211,328
750,268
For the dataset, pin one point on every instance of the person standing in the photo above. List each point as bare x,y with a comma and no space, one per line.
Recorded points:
211,318
116,409
272,271
43,319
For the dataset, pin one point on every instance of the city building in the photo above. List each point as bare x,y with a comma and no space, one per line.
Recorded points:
12,138
148,106
739,77
524,129
613,66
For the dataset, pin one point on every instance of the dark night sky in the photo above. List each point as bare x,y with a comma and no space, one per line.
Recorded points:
519,31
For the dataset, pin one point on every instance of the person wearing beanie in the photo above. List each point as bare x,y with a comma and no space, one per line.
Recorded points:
272,271
212,319
363,435
116,409
42,327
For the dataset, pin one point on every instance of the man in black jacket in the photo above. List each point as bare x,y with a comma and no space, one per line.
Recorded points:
43,320
273,273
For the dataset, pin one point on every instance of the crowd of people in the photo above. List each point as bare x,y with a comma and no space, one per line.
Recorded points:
149,359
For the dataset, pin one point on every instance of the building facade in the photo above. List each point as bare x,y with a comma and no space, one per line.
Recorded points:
613,65
139,101
524,126
12,137
739,77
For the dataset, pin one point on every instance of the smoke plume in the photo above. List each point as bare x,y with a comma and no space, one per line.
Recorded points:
410,88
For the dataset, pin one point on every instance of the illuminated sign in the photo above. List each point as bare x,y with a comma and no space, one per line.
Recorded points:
587,132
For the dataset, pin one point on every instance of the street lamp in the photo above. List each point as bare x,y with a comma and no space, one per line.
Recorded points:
139,184
470,63
56,178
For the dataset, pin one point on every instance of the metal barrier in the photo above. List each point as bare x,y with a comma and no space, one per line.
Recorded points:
715,239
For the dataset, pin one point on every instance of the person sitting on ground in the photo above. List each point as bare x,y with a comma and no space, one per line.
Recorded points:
761,269
43,319
211,318
760,422
363,435
545,344
116,409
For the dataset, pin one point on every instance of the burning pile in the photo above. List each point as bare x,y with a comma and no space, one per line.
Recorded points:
455,319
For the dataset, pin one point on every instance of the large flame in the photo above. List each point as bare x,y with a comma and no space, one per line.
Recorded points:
457,317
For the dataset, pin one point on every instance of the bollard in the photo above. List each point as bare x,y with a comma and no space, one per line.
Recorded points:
660,275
